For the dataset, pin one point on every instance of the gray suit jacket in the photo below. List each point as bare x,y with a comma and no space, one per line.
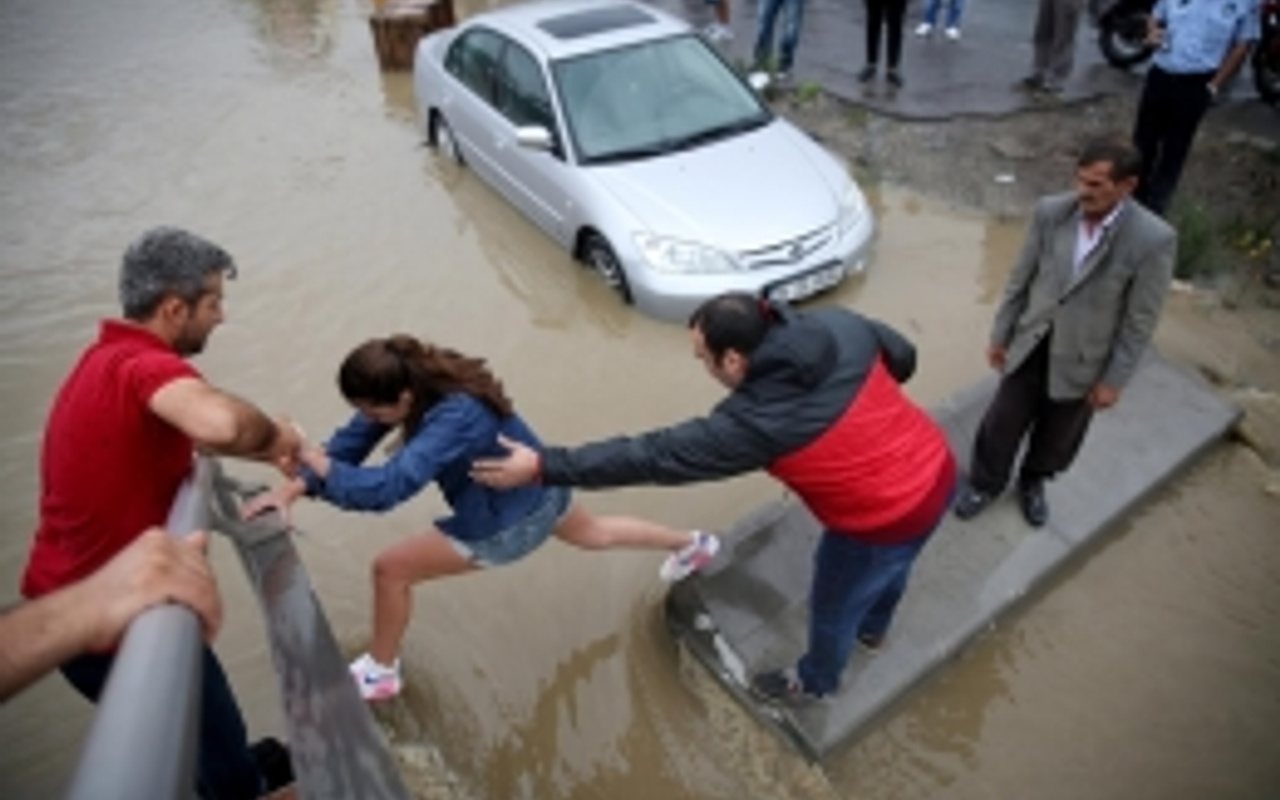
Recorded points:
1102,319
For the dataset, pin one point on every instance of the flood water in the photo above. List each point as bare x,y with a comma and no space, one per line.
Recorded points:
1153,670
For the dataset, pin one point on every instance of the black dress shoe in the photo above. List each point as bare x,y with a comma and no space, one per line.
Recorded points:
866,73
971,502
1034,507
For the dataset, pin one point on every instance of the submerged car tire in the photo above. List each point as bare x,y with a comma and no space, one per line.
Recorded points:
442,136
599,256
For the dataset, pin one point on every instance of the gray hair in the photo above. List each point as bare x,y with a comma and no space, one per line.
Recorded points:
165,262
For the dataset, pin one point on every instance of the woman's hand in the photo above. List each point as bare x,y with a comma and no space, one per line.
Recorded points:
317,459
278,499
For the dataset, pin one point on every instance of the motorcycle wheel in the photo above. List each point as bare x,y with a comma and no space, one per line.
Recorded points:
1120,39
1266,73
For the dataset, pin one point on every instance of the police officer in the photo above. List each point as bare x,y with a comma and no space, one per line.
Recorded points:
1201,43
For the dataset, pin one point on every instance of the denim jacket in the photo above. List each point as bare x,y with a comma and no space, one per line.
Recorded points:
453,433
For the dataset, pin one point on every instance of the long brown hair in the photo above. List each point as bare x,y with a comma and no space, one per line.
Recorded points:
378,371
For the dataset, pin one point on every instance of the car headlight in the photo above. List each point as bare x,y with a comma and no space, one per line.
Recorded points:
850,210
685,258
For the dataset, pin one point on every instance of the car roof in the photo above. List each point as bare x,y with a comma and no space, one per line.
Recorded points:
565,28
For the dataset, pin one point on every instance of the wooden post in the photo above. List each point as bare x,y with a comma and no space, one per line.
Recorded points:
398,25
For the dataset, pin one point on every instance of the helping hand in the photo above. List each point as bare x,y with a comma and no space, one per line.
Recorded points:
279,499
519,467
1102,397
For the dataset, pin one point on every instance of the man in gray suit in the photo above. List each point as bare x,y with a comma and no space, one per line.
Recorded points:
1077,313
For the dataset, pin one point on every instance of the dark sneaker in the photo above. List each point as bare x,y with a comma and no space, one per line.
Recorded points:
1034,506
971,502
870,642
867,73
1032,83
274,763
894,78
782,686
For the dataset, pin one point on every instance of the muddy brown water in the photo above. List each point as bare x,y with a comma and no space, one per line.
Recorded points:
1152,670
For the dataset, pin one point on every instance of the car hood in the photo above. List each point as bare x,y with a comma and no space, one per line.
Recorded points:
750,191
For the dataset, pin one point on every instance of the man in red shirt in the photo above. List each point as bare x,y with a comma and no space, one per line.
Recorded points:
815,399
120,441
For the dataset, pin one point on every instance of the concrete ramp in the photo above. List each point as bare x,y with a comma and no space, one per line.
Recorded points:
749,611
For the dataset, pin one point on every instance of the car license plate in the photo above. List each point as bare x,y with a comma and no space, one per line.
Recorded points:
808,284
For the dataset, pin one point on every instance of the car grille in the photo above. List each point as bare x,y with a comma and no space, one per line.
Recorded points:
789,253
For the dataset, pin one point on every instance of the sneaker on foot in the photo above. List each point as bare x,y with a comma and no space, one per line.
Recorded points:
718,32
867,73
953,33
924,29
376,681
690,558
782,686
894,78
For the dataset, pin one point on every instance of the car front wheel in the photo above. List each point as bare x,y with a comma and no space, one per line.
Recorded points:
442,135
599,256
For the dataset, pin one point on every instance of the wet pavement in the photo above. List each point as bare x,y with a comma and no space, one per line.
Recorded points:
975,76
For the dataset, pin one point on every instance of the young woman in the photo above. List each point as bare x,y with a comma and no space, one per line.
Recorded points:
448,410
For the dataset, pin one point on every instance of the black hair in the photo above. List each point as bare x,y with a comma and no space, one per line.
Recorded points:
1125,159
732,321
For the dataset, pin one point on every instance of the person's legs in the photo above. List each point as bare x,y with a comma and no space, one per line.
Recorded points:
1042,40
849,578
1184,102
395,571
225,769
1062,48
895,11
1013,410
930,17
768,14
875,19
954,12
1056,439
722,11
1148,127
793,18
582,529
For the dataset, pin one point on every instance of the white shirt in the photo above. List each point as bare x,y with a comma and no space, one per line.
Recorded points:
1087,240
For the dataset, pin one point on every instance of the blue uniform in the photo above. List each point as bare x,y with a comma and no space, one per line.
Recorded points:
1200,33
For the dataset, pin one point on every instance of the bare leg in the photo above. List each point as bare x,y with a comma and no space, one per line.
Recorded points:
582,529
395,571
722,12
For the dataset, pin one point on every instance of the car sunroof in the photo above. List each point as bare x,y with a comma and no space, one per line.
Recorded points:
596,20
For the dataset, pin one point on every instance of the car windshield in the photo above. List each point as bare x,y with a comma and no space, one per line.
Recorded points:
653,98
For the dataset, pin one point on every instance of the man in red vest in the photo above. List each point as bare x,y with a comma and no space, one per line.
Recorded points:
815,400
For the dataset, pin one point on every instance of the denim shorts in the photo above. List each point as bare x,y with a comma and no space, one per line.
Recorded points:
522,538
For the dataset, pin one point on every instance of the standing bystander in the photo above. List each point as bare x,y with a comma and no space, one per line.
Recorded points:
1078,311
1200,45
1054,41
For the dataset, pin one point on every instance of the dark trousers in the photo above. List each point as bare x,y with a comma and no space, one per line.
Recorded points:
225,769
1022,404
885,14
1169,113
856,588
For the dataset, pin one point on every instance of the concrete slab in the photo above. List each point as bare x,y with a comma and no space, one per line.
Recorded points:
974,76
749,612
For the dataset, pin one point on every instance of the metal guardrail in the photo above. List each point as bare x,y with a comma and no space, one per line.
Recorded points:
142,744
143,740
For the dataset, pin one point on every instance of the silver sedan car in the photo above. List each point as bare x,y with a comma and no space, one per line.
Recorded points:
627,138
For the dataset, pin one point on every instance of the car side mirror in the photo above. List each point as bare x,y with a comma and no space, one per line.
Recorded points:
535,137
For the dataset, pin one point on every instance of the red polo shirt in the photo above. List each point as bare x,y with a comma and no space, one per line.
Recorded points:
109,468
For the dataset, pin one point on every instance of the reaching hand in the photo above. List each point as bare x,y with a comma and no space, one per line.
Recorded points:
279,499
996,356
286,448
1102,397
520,466
156,568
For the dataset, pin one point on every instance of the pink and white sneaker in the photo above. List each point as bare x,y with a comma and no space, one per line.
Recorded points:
376,681
690,558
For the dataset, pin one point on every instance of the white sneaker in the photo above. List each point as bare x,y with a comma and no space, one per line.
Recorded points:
924,29
690,558
376,681
953,34
717,32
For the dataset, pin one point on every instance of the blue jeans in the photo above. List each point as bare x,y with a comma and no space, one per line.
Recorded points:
954,9
856,588
514,543
790,32
225,769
